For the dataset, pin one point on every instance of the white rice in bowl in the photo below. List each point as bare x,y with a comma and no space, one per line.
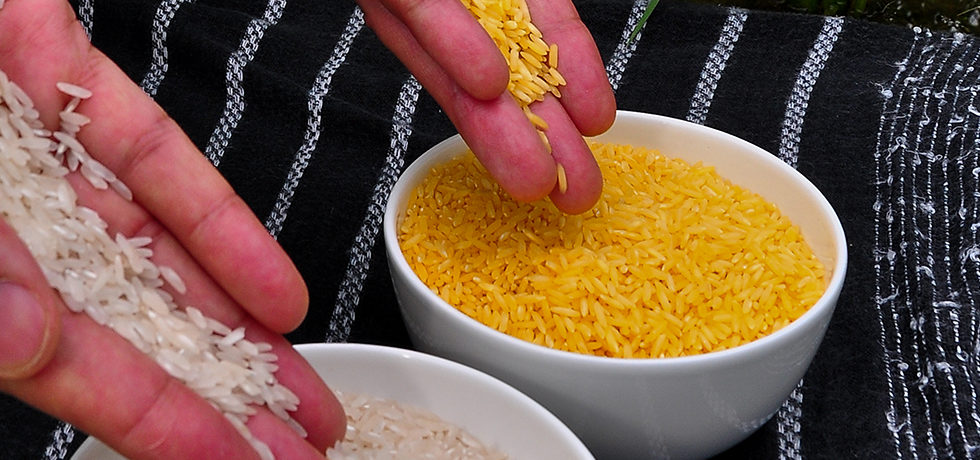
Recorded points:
383,429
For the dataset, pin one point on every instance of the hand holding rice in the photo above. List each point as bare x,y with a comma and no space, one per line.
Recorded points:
209,326
549,88
152,262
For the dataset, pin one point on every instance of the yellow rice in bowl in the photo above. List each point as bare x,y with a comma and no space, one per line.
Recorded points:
673,260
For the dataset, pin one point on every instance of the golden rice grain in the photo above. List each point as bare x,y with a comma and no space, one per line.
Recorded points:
544,140
536,120
673,260
562,179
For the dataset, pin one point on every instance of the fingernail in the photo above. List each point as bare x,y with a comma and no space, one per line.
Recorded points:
23,321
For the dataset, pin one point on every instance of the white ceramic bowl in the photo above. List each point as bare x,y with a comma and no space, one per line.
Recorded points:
491,410
687,407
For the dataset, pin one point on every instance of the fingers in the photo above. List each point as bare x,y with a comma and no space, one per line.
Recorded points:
142,412
230,261
319,411
587,97
172,180
496,130
28,311
167,174
583,179
456,42
509,147
283,443
93,367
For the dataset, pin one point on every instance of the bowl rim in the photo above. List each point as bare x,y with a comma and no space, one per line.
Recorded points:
93,448
436,366
825,305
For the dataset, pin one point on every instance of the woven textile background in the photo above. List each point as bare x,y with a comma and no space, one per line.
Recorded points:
311,119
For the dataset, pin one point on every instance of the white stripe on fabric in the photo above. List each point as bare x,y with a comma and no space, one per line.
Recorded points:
788,424
360,261
616,66
942,296
235,102
969,220
789,147
911,240
929,132
789,415
86,15
314,124
901,273
62,437
886,295
160,56
714,66
910,234
969,250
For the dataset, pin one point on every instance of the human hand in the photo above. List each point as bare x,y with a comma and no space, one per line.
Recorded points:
457,62
70,367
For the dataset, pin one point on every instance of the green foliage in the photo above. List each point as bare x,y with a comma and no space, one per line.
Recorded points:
947,15
651,4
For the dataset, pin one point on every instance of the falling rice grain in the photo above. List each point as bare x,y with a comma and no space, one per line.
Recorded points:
562,179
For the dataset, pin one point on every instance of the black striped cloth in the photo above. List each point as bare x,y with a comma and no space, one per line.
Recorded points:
311,119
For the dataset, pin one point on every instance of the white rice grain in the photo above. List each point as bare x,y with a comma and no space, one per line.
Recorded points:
70,142
174,280
232,337
73,90
73,119
101,171
92,177
72,104
379,428
35,143
122,189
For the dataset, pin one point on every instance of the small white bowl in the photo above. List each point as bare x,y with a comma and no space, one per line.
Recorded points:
492,411
687,407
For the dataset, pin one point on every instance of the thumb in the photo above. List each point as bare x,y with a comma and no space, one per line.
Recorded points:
29,317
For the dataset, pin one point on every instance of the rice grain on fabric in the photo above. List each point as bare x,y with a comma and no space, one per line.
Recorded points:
384,429
673,260
112,278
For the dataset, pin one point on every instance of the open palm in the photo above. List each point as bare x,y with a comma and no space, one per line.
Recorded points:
234,271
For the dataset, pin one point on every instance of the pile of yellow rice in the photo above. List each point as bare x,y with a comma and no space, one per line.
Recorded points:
673,260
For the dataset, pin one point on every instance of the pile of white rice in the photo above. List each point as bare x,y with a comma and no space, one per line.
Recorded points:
112,277
383,429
